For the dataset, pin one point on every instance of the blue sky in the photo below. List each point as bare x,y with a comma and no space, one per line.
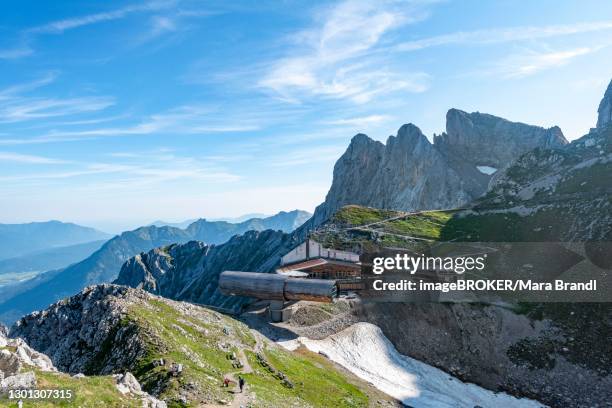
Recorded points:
114,114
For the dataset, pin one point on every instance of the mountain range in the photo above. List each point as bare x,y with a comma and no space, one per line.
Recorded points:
105,263
233,220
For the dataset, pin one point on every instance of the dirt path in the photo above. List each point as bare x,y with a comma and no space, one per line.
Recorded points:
241,399
246,367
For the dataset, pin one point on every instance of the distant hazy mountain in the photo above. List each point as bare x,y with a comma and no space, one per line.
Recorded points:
233,220
181,225
218,232
19,239
245,217
104,264
32,263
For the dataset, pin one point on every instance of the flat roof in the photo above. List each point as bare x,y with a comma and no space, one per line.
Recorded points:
317,262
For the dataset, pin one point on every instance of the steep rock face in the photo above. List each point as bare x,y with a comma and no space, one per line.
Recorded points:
191,271
409,173
605,109
413,175
74,332
352,175
478,140
489,140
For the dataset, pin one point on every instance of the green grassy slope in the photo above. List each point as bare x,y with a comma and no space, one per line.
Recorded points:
88,392
204,342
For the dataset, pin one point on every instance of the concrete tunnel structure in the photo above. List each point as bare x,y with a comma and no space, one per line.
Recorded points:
270,286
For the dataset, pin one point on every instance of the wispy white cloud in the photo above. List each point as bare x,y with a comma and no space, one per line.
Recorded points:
501,35
59,26
80,122
16,52
161,24
17,106
359,121
533,62
147,168
158,26
24,109
28,159
183,120
332,57
14,90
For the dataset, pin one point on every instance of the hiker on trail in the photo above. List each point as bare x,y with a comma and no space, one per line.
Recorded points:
241,383
226,382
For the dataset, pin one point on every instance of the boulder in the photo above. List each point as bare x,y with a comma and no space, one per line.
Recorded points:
19,381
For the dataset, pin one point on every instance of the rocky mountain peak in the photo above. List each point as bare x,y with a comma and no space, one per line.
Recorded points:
480,136
361,148
605,109
410,173
409,135
361,139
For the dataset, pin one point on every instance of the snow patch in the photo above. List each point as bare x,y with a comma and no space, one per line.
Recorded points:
365,351
290,345
488,170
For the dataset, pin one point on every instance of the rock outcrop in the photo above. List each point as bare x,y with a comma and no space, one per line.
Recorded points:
20,367
410,173
127,384
605,109
88,320
17,362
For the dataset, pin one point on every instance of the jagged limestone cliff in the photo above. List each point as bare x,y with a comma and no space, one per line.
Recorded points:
410,173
